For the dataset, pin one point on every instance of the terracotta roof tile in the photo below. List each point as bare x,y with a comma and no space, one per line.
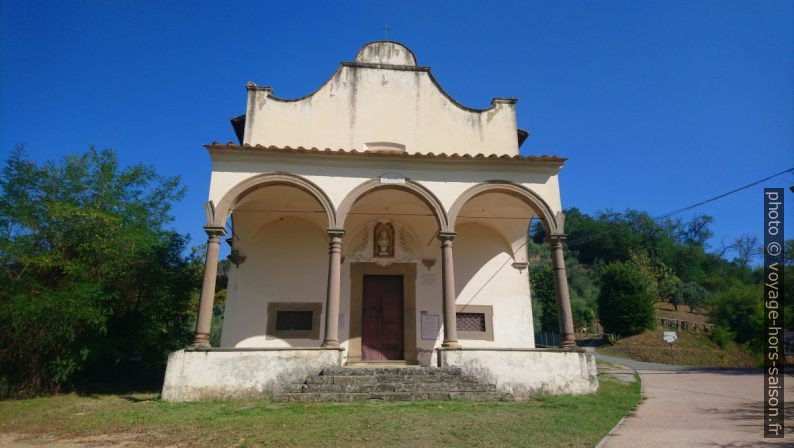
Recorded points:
405,155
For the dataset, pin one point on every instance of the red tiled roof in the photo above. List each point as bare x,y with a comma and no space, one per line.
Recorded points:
403,155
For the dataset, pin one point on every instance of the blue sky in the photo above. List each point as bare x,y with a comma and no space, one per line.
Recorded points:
656,104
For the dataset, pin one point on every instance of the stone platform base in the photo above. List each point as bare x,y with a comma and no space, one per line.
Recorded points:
526,372
217,373
316,374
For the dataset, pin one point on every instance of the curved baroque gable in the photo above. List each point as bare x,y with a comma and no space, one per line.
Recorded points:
382,96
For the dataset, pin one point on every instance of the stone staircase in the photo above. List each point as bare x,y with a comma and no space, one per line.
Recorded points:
389,384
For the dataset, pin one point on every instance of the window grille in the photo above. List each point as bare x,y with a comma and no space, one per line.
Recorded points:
294,320
471,322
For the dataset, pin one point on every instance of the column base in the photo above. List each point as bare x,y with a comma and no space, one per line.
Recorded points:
568,341
450,343
331,344
201,340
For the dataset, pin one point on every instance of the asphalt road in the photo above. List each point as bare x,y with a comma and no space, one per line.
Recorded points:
694,407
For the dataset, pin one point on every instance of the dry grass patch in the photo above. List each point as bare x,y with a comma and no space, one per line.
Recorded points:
691,349
668,311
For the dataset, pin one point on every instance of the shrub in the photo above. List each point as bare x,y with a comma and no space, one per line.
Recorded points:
721,336
544,299
691,294
625,307
739,309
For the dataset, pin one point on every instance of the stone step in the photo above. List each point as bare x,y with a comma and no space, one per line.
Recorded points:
398,387
312,397
402,371
368,364
372,379
389,383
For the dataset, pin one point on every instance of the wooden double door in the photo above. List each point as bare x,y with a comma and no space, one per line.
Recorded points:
382,318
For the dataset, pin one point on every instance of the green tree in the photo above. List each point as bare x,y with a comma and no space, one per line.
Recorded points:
625,307
695,232
544,297
659,279
740,310
691,294
746,247
95,282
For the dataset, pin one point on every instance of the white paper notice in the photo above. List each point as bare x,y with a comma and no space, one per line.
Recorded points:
430,326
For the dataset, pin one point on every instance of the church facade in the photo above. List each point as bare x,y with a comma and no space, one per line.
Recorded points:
377,221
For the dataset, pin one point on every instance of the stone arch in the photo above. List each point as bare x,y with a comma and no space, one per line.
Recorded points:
409,186
552,223
217,215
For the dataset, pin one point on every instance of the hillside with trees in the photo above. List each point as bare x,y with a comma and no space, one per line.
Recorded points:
622,266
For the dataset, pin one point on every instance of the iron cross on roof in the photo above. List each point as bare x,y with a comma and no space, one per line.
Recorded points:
386,30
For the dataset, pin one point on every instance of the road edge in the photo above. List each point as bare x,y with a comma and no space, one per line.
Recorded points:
611,432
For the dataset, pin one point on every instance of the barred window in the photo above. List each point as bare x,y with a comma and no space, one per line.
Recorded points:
471,322
474,322
293,321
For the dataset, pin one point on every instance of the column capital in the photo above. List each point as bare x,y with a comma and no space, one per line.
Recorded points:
335,233
446,236
556,238
215,232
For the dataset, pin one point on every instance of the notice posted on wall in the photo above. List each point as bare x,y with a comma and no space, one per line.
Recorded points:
430,325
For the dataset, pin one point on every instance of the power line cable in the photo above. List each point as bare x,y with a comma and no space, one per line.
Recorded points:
666,215
683,209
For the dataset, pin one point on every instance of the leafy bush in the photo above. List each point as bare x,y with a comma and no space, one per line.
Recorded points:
544,298
581,283
660,281
625,307
690,294
740,309
94,283
721,336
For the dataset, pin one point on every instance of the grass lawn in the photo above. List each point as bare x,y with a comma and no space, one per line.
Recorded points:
690,349
141,419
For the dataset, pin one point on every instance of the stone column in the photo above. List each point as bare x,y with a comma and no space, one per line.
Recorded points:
448,291
331,339
564,315
204,322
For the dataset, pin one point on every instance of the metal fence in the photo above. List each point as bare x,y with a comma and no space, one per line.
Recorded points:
547,339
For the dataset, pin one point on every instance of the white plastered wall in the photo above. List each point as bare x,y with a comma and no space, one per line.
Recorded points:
484,275
286,261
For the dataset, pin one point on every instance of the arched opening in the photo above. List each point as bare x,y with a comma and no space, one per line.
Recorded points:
500,191
217,214
490,289
492,223
367,189
279,264
387,278
284,272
